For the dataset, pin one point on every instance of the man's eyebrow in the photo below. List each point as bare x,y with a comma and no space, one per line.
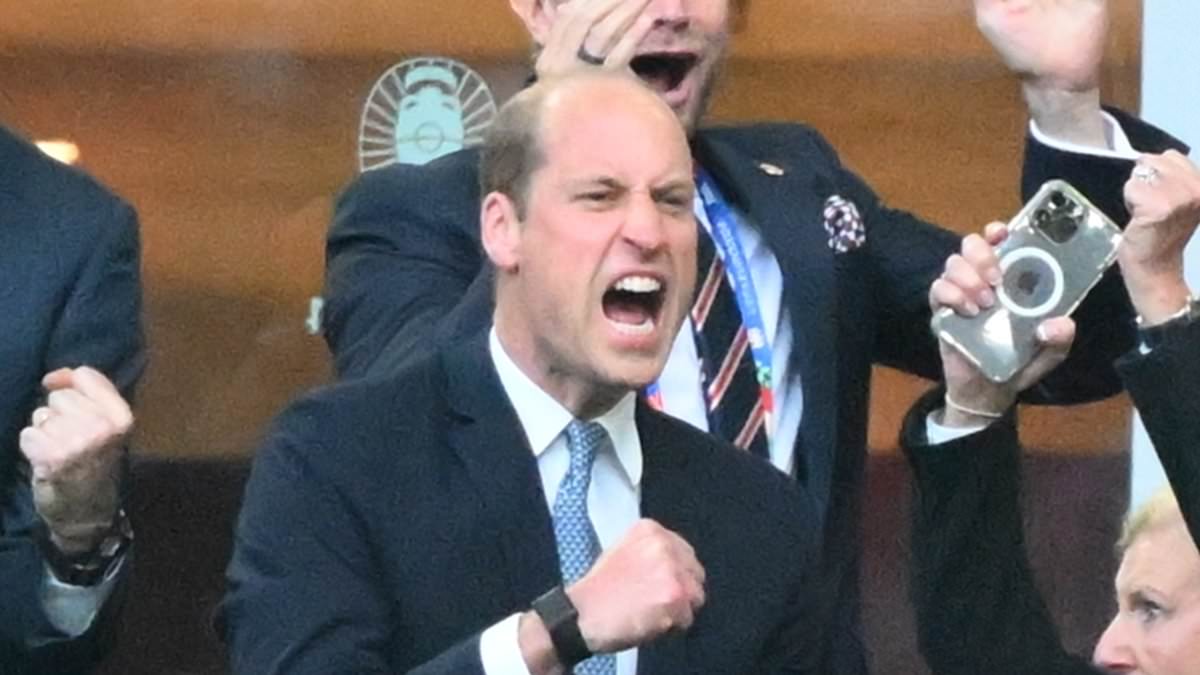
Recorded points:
673,186
597,181
676,183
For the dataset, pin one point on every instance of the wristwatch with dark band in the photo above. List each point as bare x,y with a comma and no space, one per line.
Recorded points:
90,567
1150,337
562,622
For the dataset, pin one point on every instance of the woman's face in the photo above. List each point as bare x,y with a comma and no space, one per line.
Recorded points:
1157,627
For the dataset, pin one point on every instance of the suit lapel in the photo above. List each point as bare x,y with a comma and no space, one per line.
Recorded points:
668,497
787,210
488,438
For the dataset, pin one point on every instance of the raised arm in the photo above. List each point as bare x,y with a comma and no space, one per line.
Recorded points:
82,248
977,606
978,609
1163,373
403,265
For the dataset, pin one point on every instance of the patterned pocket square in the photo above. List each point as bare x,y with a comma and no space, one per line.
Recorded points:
844,224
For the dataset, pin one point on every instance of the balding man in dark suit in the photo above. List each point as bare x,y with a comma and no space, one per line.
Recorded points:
509,504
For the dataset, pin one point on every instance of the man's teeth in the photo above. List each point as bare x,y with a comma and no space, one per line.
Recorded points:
638,284
643,328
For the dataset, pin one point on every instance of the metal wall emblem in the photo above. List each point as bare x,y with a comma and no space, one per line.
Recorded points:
422,109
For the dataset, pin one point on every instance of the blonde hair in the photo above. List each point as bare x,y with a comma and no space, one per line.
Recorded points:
1161,509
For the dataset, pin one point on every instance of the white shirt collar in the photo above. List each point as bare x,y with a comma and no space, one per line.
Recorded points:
545,419
1119,145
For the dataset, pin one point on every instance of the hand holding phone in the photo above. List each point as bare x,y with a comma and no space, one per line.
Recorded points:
1058,246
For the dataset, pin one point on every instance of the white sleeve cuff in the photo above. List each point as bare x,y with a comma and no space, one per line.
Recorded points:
500,649
72,609
937,434
1119,145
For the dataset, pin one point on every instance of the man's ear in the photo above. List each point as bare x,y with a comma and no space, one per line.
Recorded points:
537,15
500,230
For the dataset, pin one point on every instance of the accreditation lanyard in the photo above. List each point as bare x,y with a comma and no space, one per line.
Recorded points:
720,225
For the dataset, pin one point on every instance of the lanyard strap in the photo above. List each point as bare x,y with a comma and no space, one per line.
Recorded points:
720,226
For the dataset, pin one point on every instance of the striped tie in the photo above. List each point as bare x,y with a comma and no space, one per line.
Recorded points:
731,389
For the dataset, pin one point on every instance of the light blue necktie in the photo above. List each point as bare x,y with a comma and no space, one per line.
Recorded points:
578,546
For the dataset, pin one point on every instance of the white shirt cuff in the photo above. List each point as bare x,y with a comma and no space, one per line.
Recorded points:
72,609
500,649
1119,145
937,434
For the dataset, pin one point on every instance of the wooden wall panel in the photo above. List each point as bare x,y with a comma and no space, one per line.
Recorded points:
486,29
233,159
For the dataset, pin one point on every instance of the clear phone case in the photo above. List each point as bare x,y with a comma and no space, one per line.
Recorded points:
1058,247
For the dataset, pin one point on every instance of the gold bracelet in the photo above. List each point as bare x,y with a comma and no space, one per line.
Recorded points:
972,411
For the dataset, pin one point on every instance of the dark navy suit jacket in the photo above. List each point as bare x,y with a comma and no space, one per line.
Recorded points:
389,520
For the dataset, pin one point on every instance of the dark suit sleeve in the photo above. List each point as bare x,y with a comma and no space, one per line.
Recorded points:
1105,322
404,270
1165,387
978,609
100,326
907,254
305,594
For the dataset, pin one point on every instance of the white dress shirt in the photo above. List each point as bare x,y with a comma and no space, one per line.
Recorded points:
72,609
1119,145
614,493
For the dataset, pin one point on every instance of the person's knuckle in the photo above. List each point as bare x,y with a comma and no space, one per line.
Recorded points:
950,262
122,421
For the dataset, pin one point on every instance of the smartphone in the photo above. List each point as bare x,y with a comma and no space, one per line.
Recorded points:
1057,248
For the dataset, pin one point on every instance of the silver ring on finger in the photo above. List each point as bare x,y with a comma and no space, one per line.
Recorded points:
587,57
1146,174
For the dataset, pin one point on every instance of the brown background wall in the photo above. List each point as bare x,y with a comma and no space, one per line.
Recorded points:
231,124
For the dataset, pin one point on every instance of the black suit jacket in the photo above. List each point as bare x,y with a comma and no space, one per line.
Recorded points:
389,520
405,271
978,609
70,295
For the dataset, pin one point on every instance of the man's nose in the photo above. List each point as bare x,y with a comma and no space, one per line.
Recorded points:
644,224
669,14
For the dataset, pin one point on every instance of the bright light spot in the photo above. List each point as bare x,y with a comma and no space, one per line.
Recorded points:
64,151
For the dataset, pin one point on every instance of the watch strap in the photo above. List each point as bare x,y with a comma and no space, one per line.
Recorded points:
561,619
90,567
1150,337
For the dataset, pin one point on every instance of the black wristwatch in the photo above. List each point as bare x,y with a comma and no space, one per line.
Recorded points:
1150,337
90,567
562,621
